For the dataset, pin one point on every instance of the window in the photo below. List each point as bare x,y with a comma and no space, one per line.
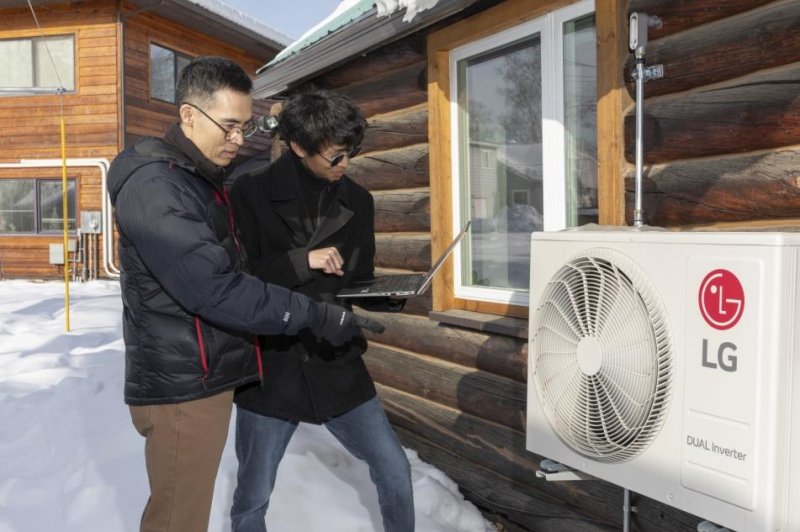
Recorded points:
165,66
527,95
486,158
38,62
520,197
35,206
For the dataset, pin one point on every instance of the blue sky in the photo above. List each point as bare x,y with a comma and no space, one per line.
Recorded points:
292,17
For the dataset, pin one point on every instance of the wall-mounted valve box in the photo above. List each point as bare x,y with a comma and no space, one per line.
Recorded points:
57,251
90,222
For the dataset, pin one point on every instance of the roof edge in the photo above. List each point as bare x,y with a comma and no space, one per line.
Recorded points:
237,20
359,36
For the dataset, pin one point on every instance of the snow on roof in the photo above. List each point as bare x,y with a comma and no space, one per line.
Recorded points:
347,11
242,19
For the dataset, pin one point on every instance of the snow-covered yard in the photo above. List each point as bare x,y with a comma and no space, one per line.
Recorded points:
71,461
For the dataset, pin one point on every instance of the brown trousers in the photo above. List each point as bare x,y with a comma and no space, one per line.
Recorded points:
183,448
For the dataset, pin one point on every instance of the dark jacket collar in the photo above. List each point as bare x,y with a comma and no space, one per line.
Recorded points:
198,162
285,174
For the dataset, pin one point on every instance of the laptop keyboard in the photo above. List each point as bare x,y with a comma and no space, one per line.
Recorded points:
396,283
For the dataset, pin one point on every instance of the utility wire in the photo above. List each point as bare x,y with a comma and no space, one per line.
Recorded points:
47,48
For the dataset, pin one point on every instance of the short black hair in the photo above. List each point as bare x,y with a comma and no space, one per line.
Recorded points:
317,117
205,75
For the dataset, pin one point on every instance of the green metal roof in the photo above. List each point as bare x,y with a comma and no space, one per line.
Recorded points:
347,15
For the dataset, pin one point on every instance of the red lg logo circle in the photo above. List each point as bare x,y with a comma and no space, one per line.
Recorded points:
721,299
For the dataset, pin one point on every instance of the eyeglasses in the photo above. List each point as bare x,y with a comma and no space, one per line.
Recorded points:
246,130
339,157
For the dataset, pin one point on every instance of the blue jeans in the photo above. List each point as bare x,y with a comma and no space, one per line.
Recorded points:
364,431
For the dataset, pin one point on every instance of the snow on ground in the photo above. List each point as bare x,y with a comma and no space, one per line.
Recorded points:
71,461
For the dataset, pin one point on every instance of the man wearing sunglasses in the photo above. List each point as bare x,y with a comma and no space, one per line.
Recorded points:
307,226
190,312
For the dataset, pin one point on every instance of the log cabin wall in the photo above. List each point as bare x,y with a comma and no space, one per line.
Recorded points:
31,124
721,146
722,128
457,396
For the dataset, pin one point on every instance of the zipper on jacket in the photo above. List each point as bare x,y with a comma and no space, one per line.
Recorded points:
202,345
225,200
258,361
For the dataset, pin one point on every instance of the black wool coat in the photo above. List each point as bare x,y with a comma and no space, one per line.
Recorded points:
304,379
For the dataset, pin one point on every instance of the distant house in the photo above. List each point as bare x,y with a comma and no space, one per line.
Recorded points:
515,113
117,63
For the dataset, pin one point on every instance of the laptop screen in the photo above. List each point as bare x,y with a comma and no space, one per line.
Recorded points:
438,264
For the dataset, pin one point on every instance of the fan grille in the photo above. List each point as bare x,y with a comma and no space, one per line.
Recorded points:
602,357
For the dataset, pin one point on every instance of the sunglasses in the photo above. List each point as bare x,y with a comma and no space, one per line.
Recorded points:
339,157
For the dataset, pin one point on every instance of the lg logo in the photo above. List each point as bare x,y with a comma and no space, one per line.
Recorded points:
721,299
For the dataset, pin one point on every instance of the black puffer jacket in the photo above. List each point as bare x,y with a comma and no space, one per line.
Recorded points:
190,313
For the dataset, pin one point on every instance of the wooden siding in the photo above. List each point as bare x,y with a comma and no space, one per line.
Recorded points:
92,113
31,124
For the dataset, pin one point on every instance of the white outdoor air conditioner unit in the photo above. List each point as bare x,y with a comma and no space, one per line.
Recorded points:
669,364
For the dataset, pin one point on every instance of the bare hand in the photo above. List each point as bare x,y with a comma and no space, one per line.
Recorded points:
326,259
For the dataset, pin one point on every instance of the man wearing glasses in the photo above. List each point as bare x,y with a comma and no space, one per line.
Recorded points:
307,226
191,314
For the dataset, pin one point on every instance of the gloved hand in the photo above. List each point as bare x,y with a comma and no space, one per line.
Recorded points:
337,325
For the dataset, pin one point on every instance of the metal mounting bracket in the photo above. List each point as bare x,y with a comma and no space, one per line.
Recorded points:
552,471
708,526
650,73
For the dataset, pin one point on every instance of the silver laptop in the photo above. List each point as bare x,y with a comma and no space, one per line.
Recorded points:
404,285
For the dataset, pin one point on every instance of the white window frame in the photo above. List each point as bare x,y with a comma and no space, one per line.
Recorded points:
551,29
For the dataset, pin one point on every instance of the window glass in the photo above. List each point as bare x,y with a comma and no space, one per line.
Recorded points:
17,214
51,203
165,67
162,73
182,61
525,145
16,63
62,55
580,120
35,205
501,104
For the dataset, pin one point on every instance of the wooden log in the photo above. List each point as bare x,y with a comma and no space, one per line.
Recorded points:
491,465
493,494
391,91
402,210
479,393
762,38
482,448
756,112
747,187
394,130
404,251
679,15
405,167
403,53
500,355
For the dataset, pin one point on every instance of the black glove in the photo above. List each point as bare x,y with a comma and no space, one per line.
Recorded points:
337,325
